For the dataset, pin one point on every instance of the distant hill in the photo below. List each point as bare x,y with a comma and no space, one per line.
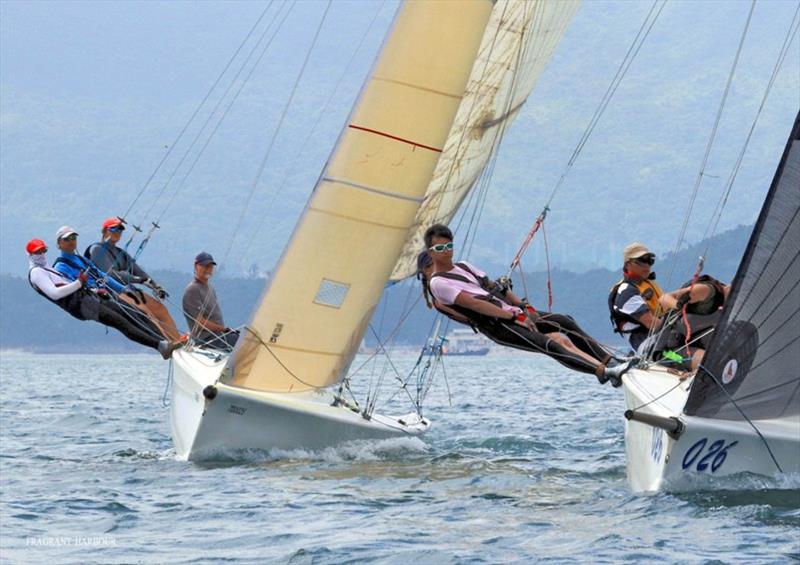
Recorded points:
31,323
81,132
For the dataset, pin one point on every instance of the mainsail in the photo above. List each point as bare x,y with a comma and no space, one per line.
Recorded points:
752,367
313,316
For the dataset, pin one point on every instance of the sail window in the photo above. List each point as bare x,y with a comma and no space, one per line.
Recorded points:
331,293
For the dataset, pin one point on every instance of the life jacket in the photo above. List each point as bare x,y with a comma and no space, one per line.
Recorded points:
650,292
474,318
71,303
713,302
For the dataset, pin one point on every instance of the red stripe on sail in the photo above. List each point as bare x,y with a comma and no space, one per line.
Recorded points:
390,136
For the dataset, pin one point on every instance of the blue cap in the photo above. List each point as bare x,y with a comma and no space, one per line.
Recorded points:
204,258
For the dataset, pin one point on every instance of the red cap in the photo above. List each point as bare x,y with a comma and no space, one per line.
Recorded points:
35,245
112,223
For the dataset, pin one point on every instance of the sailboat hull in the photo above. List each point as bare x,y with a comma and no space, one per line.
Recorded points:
211,420
705,448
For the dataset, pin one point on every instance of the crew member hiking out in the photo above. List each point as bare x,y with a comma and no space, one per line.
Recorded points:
124,269
464,293
84,302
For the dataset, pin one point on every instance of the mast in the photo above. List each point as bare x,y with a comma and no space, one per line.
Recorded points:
313,315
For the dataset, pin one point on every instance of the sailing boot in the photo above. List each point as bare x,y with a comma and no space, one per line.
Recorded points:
166,348
614,373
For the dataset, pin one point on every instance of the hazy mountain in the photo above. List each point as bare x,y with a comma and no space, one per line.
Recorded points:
92,95
30,322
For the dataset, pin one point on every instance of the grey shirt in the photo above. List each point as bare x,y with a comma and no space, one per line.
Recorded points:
200,301
116,262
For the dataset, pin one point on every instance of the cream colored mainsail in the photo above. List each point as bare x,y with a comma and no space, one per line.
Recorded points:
313,316
520,38
450,77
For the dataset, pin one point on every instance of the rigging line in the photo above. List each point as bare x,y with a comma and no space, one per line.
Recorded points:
197,110
710,144
622,70
211,114
736,405
659,397
611,88
391,341
277,129
277,359
394,368
396,329
717,214
695,190
227,110
323,112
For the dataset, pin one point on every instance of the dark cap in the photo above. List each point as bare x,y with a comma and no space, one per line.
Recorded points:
204,258
424,259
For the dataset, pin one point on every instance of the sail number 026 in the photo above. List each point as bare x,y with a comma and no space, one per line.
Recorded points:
714,456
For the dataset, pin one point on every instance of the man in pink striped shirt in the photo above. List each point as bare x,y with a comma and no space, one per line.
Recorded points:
496,312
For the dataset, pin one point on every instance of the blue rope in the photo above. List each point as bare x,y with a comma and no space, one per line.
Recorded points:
164,402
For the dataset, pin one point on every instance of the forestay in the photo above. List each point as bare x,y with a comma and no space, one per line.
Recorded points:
520,38
753,363
312,318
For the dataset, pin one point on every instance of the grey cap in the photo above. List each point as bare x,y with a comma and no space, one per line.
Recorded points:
64,231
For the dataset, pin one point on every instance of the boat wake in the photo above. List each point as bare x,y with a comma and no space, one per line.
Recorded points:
358,450
741,483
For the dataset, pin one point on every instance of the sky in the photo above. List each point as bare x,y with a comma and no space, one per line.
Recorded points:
94,94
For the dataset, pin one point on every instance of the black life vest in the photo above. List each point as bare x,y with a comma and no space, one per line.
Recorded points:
70,303
474,318
649,290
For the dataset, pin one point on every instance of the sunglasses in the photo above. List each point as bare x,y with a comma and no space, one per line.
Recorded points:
645,260
72,237
439,247
116,229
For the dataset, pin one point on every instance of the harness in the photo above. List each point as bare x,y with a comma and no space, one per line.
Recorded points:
71,303
474,318
650,292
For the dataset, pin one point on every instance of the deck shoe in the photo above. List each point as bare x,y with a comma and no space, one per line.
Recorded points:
165,348
614,373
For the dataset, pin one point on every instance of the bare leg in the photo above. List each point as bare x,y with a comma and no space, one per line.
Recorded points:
565,342
158,313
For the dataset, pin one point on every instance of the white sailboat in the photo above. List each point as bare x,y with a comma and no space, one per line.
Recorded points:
449,79
741,413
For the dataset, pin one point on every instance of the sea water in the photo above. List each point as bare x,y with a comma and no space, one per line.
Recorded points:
524,463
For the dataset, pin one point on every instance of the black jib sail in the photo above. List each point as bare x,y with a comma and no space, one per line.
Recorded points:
752,366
